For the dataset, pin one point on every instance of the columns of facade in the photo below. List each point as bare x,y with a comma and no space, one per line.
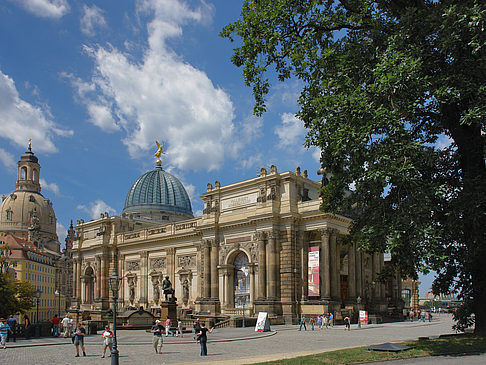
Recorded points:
103,276
262,266
207,268
359,274
324,264
252,270
214,269
228,287
335,276
272,265
78,278
121,272
144,278
171,263
75,278
352,272
304,249
99,279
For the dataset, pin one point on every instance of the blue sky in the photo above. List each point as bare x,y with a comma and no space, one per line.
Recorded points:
95,83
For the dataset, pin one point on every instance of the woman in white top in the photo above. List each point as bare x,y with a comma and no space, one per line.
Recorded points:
107,336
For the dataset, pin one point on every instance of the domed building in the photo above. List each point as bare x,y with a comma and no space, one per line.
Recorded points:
157,197
261,245
26,213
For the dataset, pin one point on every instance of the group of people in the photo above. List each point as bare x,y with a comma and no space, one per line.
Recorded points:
200,334
420,315
321,321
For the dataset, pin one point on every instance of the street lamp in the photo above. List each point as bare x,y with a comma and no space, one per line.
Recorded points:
358,301
58,293
38,293
114,281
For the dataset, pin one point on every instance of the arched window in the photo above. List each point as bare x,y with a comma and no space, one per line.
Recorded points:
406,297
35,175
9,215
23,173
242,281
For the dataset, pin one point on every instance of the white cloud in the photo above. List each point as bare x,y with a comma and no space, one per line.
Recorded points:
50,186
252,161
291,132
94,209
162,97
7,160
45,8
92,18
20,120
316,154
61,232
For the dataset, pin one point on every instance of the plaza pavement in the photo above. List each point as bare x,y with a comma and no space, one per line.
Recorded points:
225,346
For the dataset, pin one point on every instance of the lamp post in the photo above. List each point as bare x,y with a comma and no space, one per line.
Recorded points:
114,281
358,301
58,293
38,293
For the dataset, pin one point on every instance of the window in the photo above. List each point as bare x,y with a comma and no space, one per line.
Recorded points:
9,215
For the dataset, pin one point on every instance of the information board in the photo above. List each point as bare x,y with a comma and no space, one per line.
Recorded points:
262,324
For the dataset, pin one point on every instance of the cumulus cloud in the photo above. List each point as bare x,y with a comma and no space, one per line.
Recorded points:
7,160
290,132
20,120
45,8
316,154
94,209
50,186
161,97
91,20
61,232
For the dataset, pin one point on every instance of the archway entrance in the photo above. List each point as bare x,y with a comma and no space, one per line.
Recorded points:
88,279
241,281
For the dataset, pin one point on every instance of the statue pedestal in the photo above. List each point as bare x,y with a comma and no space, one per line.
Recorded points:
168,309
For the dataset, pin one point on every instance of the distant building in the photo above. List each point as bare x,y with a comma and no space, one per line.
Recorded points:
29,216
29,263
261,244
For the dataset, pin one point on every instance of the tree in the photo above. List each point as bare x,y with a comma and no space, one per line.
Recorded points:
394,96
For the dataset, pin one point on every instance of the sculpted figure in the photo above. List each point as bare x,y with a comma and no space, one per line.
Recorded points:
156,290
185,290
168,289
131,286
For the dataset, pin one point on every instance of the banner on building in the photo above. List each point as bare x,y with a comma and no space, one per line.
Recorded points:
313,271
262,324
363,317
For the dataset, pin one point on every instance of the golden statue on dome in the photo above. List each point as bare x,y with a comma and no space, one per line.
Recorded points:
160,151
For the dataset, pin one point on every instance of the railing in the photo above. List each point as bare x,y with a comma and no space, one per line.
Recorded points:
223,324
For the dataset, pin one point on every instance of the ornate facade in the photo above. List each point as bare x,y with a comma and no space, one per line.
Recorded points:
248,251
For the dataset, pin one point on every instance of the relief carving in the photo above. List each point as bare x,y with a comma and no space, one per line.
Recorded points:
133,265
186,261
158,263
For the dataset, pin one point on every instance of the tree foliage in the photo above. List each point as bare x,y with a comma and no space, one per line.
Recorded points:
15,295
394,96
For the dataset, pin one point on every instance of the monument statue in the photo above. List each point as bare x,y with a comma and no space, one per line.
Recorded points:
168,289
131,290
155,284
160,151
185,291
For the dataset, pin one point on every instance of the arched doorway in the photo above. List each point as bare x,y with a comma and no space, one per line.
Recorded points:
241,281
88,279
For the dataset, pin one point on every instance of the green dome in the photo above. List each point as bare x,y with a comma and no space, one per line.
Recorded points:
157,190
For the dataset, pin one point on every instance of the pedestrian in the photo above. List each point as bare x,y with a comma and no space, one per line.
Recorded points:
326,320
423,316
347,323
331,320
79,333
411,314
4,330
167,327
12,322
319,321
197,327
302,323
26,327
55,325
203,338
107,336
312,322
66,326
179,328
430,317
157,329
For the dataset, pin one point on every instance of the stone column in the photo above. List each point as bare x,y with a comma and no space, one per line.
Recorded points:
78,278
335,282
144,278
75,278
324,264
272,266
121,272
207,268
262,264
359,274
352,272
252,270
338,265
214,269
305,269
103,276
99,279
171,263
228,287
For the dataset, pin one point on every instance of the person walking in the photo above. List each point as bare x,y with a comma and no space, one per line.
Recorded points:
157,329
4,330
66,326
197,327
55,325
312,322
302,323
107,337
347,323
319,321
326,320
167,327
12,322
79,333
179,328
331,320
203,338
26,327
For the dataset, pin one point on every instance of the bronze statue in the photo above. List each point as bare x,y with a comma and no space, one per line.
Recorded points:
168,289
160,151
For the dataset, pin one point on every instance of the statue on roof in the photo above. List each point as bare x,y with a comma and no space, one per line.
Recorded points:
160,151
